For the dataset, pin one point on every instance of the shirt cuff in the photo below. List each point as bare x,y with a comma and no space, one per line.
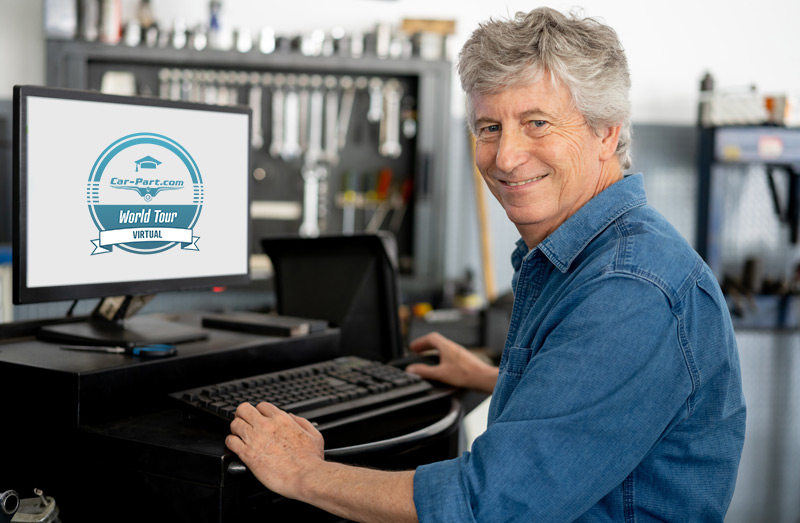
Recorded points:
439,492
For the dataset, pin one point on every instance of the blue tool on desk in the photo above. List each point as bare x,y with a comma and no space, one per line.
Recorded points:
145,351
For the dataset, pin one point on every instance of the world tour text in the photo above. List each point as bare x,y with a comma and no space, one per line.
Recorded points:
144,216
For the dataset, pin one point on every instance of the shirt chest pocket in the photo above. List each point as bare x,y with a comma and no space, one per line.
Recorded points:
512,367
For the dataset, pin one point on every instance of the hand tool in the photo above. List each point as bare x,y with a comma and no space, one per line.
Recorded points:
163,83
331,120
314,150
291,119
311,178
276,140
390,123
210,91
223,93
346,111
303,97
375,110
175,85
144,351
257,133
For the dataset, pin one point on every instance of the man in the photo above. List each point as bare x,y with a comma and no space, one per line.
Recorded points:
618,396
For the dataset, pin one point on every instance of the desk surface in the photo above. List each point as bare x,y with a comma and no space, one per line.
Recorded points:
93,387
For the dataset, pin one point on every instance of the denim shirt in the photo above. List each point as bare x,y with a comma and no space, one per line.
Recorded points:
619,396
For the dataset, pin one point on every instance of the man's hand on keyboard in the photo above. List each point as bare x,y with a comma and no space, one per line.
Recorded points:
457,366
278,448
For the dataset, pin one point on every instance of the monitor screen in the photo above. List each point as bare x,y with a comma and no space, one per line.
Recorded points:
122,195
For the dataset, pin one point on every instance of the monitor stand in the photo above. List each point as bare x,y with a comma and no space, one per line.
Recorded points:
110,324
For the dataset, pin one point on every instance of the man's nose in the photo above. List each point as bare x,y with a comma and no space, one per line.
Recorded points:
511,151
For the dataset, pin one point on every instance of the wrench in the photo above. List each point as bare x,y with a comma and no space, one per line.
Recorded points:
331,120
291,135
175,85
314,151
163,83
223,96
276,146
312,176
257,133
210,92
390,123
197,88
346,111
375,111
303,99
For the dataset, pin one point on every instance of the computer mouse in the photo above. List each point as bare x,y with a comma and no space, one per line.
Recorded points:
404,361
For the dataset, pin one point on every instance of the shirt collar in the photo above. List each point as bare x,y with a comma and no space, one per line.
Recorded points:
564,244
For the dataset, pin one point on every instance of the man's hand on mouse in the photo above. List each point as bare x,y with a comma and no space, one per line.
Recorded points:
457,366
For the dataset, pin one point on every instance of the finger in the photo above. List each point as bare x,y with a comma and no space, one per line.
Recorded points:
234,443
245,411
268,409
238,426
429,341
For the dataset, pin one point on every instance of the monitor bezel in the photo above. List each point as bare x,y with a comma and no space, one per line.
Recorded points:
21,293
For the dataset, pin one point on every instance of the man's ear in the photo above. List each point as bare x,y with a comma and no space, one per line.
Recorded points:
609,139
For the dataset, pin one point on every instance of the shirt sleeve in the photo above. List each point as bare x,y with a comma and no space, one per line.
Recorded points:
577,411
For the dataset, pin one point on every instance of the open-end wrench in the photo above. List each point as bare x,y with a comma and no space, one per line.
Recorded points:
210,92
331,120
175,85
223,97
291,117
390,123
276,143
257,133
345,112
303,100
196,94
233,88
312,176
163,83
375,111
187,79
314,150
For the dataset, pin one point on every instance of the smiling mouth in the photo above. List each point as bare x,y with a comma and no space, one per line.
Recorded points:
524,182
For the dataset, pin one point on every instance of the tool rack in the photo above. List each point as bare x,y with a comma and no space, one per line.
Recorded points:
749,218
368,183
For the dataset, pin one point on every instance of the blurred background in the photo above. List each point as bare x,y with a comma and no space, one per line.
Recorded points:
716,110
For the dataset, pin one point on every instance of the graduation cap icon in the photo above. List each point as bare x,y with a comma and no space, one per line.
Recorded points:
148,162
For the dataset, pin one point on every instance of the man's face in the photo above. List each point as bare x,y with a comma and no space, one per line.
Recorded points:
539,157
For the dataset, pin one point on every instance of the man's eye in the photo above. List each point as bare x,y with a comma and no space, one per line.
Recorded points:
538,123
490,129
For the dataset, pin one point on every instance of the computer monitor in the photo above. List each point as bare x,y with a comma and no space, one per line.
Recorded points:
126,196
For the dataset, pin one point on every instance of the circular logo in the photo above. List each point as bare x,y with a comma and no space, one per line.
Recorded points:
145,194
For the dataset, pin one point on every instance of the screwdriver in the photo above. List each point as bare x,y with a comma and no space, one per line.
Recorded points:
159,350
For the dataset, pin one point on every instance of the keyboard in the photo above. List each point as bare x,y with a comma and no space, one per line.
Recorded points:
318,392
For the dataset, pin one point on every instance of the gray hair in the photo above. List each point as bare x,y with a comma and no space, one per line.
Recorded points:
583,54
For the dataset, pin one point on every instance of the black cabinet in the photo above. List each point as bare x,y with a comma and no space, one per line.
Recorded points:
98,433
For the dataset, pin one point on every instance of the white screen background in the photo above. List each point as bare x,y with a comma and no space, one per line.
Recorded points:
65,137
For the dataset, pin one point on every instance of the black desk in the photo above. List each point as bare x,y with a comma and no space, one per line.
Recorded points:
97,432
